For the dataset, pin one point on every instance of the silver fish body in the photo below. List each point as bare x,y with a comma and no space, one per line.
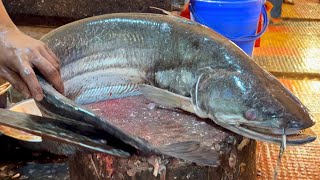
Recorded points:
108,56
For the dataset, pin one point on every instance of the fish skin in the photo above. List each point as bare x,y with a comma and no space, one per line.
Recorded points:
170,53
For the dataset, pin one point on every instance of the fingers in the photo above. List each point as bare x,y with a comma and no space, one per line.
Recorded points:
52,54
18,61
29,77
50,72
51,57
15,80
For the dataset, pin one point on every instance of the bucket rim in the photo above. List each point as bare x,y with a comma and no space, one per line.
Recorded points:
241,38
230,1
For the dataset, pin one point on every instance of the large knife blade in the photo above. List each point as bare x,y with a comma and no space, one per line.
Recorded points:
83,136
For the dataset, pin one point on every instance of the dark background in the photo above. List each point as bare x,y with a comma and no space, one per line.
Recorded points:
59,12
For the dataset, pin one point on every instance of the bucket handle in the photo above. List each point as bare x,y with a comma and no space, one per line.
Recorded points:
241,38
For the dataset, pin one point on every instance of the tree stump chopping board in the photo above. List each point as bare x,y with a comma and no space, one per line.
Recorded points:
162,126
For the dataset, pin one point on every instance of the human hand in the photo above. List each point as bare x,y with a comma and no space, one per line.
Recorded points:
19,54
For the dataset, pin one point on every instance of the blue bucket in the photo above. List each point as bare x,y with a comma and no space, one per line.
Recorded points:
236,20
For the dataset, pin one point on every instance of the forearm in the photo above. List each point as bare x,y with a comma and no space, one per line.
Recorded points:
5,20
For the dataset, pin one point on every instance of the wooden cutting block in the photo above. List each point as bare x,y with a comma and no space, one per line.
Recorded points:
161,126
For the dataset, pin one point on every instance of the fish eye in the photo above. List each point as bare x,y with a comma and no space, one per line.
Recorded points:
251,114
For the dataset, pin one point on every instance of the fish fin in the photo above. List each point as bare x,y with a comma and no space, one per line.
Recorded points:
77,136
192,151
167,98
164,11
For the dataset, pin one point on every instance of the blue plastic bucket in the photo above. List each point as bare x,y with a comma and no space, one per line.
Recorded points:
237,20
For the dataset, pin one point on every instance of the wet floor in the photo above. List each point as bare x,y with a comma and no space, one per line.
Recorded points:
291,51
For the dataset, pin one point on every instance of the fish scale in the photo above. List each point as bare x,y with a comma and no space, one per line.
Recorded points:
111,92
104,60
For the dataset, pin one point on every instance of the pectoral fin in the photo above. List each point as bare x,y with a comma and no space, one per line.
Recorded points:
192,151
167,98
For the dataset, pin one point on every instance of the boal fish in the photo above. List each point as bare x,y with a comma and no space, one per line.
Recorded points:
174,62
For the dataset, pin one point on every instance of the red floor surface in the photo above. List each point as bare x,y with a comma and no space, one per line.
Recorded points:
291,50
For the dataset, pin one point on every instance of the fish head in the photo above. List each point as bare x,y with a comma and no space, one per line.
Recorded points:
251,106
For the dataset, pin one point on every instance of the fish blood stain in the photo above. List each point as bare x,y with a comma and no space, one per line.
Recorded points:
159,125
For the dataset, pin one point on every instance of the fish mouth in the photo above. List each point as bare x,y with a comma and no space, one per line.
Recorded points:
273,131
294,136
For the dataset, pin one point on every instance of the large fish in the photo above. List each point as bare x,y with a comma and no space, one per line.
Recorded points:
187,65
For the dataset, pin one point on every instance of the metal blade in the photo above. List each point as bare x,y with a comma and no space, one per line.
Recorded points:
83,136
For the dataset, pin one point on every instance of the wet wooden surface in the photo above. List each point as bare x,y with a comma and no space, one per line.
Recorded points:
235,165
162,126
